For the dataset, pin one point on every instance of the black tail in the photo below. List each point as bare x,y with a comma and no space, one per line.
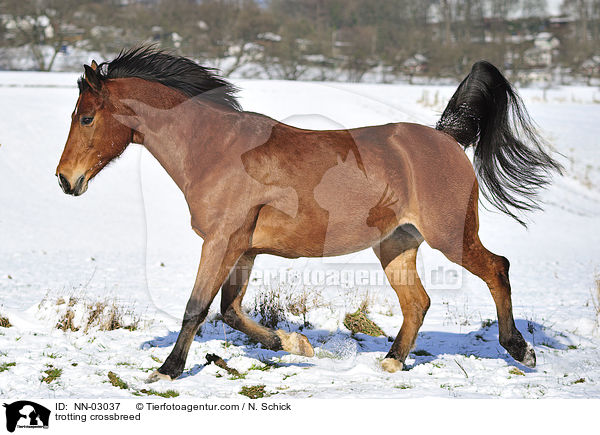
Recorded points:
487,113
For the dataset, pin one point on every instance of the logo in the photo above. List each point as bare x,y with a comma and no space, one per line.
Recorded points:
26,414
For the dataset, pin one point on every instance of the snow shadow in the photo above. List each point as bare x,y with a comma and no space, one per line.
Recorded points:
342,346
483,343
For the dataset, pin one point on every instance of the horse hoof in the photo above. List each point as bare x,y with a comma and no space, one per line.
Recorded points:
295,343
529,358
391,365
158,376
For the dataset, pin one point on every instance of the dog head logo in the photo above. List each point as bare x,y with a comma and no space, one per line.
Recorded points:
26,414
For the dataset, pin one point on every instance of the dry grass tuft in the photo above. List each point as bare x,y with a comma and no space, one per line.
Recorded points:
107,315
52,374
66,323
359,322
4,322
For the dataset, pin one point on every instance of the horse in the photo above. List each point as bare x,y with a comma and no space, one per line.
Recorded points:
258,186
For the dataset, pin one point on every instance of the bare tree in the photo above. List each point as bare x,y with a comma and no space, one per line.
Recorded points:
43,25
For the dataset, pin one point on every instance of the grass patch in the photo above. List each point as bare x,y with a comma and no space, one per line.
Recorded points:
254,392
116,381
166,394
263,368
5,366
579,381
515,371
421,352
52,374
269,363
238,375
359,322
4,322
403,386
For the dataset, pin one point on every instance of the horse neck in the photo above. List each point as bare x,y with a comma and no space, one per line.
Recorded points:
173,128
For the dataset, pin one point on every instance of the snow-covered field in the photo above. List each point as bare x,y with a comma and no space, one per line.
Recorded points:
128,242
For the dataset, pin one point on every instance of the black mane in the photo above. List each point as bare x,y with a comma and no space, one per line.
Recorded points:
176,72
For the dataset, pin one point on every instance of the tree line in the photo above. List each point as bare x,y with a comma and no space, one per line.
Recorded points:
319,39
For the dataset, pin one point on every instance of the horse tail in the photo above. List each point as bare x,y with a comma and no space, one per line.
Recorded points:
486,112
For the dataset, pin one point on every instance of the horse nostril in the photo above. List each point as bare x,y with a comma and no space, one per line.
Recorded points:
64,183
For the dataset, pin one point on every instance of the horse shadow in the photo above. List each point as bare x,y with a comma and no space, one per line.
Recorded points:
430,345
484,344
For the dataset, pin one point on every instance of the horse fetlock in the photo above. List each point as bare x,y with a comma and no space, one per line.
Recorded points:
230,317
520,350
391,365
295,343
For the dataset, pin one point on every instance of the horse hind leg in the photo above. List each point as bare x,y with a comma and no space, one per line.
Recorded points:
233,292
398,256
460,243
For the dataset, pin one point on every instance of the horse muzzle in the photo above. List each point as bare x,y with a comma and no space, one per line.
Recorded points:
75,186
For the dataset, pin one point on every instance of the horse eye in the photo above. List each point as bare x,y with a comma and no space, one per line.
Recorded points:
87,120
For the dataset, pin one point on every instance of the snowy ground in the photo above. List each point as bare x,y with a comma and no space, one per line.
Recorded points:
128,239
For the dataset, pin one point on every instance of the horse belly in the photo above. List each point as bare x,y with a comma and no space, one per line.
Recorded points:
320,232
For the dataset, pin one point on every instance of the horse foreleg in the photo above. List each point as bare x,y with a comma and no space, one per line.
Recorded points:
217,260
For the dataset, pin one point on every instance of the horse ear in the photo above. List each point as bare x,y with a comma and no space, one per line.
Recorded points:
92,78
94,65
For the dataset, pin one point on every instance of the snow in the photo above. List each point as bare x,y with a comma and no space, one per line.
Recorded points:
128,241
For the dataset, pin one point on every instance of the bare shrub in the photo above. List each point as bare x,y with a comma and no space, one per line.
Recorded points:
269,306
300,304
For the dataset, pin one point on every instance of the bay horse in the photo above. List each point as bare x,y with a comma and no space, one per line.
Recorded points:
255,185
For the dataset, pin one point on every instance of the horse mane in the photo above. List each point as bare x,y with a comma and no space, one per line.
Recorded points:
176,72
